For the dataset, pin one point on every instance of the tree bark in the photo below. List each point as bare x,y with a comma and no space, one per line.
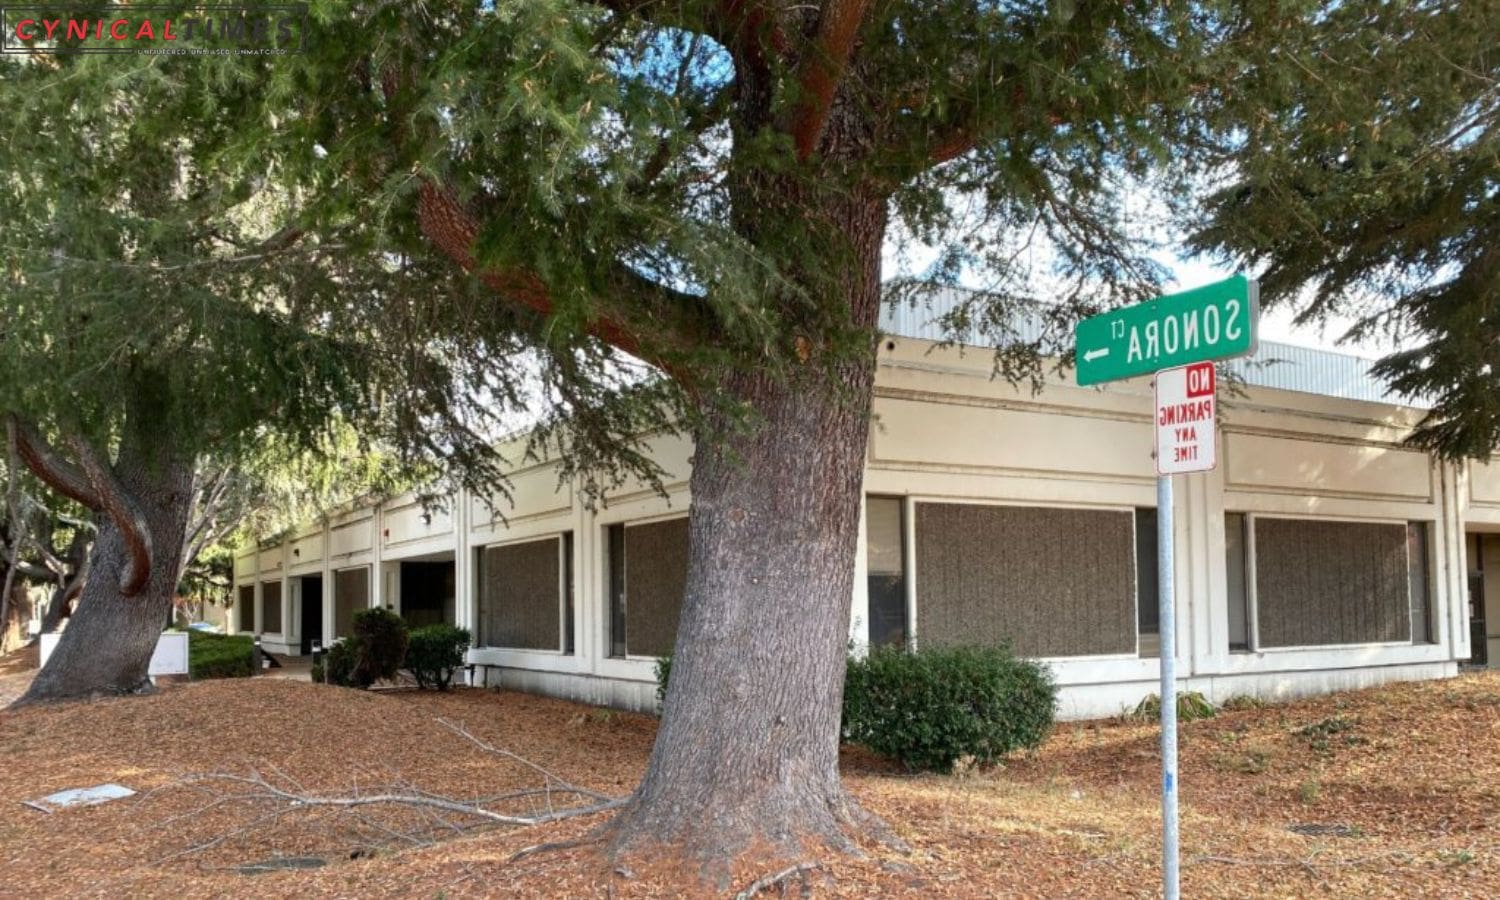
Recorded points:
746,759
107,646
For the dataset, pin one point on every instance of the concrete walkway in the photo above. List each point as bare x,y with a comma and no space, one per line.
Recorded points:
293,668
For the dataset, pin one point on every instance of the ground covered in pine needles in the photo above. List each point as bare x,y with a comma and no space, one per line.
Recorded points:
1387,792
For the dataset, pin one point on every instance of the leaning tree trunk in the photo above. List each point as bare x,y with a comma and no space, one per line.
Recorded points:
107,646
70,584
746,758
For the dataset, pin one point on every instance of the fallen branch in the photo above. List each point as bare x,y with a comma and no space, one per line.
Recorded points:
770,881
562,785
271,794
418,799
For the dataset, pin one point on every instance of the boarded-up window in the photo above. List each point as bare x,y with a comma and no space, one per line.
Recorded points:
244,608
520,595
1050,582
655,575
1322,582
351,593
270,607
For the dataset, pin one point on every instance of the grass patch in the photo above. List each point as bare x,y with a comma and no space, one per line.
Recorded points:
1241,702
1191,705
1324,734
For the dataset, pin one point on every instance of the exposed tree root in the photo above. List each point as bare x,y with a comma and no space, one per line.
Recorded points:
778,834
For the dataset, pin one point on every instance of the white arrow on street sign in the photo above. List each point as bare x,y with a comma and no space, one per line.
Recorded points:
1186,435
1092,355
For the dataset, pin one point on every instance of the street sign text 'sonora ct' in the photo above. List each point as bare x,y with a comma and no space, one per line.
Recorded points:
1216,321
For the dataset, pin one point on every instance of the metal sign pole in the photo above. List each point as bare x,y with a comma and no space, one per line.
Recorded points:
1167,632
1179,337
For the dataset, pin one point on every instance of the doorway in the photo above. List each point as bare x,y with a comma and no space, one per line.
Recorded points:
312,611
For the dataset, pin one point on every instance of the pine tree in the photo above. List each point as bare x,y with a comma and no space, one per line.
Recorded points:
1369,176
706,188
154,313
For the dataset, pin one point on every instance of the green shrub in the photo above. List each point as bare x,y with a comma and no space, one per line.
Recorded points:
220,655
435,652
379,645
337,666
937,705
663,672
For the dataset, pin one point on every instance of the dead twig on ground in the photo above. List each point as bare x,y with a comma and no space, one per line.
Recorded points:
770,881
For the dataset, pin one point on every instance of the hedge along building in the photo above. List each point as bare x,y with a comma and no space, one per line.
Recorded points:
1321,554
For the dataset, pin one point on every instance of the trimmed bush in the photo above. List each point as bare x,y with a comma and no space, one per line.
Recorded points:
220,655
663,672
938,705
379,645
435,653
337,666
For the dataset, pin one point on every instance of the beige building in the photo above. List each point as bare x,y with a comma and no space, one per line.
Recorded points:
1320,554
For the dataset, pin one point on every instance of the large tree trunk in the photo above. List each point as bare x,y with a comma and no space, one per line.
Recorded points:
746,758
107,645
15,613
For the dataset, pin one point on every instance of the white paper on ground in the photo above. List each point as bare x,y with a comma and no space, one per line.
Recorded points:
99,793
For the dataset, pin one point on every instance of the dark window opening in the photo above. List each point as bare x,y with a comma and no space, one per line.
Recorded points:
1147,597
885,557
245,608
351,593
1236,548
427,595
270,608
312,612
569,639
616,552
1478,630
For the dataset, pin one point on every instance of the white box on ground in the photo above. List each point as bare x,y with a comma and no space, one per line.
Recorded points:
169,658
1186,433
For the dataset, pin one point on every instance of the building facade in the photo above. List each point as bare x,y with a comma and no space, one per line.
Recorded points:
1321,554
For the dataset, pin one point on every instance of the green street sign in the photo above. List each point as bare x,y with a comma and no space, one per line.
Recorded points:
1216,321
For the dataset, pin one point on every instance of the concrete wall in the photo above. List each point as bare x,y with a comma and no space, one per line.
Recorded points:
947,432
